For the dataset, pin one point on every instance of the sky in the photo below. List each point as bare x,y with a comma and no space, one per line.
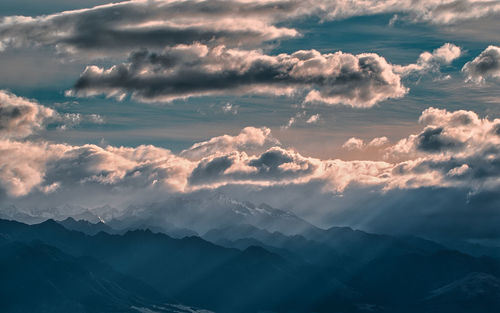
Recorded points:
380,115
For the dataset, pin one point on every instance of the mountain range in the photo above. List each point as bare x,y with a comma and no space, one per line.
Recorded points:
84,266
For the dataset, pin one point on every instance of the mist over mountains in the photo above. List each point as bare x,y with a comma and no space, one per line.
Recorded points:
175,214
169,257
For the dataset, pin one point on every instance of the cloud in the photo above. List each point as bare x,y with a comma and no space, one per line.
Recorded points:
293,120
290,122
353,143
249,137
431,62
451,11
448,133
183,71
313,119
455,149
20,117
30,166
27,166
70,120
115,28
484,66
22,165
230,108
378,142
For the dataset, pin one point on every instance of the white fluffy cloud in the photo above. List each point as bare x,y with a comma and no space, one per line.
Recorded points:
464,152
248,138
313,119
486,65
428,62
453,149
40,166
28,166
20,117
353,143
378,142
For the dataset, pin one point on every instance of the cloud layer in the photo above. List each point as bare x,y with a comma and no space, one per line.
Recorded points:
112,29
186,71
453,149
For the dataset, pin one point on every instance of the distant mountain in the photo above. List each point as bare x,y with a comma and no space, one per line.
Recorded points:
201,214
38,215
122,226
177,216
62,212
337,245
13,213
241,236
86,227
365,247
125,224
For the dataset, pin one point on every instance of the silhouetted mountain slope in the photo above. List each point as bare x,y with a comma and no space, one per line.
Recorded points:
474,249
191,270
245,243
409,278
40,278
396,275
476,292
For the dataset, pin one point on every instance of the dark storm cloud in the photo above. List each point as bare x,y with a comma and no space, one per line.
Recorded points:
117,28
186,71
